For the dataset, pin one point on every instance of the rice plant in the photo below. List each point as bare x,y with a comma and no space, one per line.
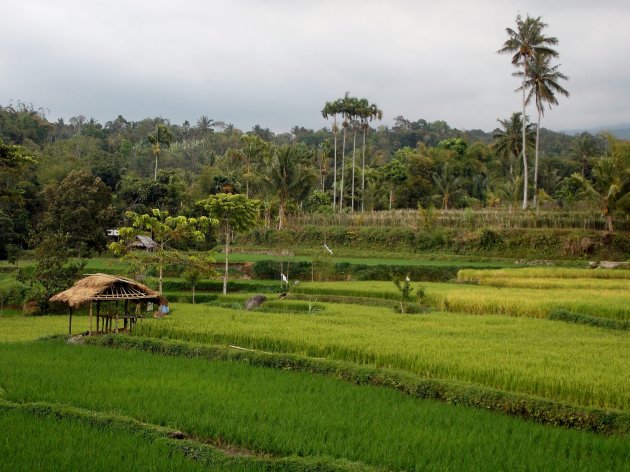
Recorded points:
569,363
280,413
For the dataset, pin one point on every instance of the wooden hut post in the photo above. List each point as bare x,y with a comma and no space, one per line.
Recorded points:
126,315
90,333
98,315
116,329
69,320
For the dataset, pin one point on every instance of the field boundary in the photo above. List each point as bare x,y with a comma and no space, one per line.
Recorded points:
525,406
207,452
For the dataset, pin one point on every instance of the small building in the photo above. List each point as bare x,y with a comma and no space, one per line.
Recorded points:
108,293
143,242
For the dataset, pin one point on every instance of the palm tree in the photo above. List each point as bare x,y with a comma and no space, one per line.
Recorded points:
345,110
543,85
525,43
610,188
332,109
290,177
447,186
366,114
507,139
204,125
161,137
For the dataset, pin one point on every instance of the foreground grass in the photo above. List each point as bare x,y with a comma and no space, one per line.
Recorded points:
293,413
46,443
567,363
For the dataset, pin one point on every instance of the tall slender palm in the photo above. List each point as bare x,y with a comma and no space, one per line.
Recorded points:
345,110
161,138
332,109
524,43
366,113
542,84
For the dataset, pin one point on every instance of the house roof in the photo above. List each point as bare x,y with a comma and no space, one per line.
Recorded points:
105,287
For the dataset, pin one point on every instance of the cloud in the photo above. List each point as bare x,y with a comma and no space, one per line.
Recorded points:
275,62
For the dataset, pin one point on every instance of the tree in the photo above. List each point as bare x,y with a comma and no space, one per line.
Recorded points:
256,152
195,269
447,185
345,108
333,109
164,230
366,113
525,43
14,192
393,174
289,176
610,188
507,140
235,213
543,84
52,272
161,138
81,208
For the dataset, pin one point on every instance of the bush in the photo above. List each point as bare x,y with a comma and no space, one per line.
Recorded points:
489,239
578,318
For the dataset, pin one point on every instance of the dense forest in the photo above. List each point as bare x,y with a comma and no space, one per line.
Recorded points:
79,176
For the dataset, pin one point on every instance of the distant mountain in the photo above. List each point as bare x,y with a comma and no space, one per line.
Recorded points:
619,131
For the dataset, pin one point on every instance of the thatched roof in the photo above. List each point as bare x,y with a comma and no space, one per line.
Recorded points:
104,287
144,242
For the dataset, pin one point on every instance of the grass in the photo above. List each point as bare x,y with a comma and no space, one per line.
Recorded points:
28,328
293,413
607,301
61,444
567,363
545,272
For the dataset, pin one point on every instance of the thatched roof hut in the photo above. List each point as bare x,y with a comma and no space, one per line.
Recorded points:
144,242
107,288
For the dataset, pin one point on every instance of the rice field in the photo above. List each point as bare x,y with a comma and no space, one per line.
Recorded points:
568,363
28,328
46,443
606,298
282,414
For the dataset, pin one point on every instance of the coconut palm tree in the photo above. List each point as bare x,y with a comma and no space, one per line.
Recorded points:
525,43
290,177
446,185
610,187
542,84
332,109
507,139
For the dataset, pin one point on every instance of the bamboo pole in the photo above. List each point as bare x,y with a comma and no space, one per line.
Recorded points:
90,333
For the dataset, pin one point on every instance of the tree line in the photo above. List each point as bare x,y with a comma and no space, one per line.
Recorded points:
80,177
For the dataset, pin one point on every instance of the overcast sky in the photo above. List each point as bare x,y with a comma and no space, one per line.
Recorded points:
276,62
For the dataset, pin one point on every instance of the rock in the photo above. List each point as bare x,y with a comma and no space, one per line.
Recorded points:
613,265
177,435
593,265
255,301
